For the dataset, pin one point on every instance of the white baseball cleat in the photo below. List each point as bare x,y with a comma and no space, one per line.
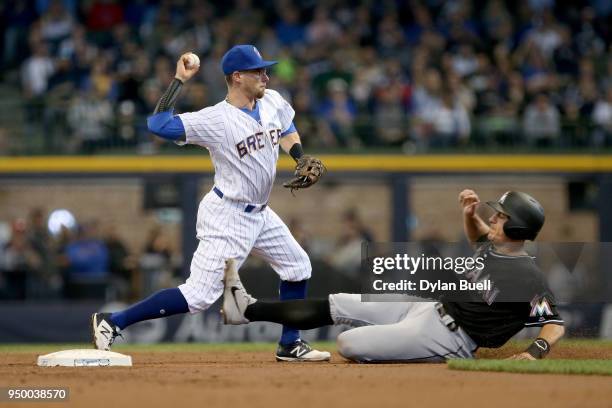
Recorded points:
104,332
300,350
235,297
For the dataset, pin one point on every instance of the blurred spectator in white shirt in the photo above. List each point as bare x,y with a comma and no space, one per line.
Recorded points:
451,123
541,122
602,117
36,71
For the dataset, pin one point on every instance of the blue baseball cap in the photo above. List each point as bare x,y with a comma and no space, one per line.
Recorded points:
243,58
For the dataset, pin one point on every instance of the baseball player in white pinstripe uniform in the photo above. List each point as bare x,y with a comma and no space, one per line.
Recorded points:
243,134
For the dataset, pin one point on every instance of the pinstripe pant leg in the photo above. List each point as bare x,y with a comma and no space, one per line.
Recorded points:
279,248
223,233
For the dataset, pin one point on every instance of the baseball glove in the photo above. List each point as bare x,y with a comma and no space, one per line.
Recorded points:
308,171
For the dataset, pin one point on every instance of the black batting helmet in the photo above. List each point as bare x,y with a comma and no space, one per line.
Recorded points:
525,213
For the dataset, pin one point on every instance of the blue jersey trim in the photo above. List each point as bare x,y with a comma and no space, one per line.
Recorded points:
291,129
166,125
255,115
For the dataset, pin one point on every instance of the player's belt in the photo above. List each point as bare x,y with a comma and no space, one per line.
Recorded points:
447,319
248,208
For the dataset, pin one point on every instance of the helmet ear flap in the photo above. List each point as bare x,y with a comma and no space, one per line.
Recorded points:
525,215
518,232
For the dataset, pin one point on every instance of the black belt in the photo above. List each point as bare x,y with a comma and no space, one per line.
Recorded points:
249,207
447,319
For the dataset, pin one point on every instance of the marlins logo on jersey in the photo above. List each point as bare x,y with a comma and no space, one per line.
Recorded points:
540,307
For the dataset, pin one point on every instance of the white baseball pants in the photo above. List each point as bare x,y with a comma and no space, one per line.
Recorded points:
396,331
226,231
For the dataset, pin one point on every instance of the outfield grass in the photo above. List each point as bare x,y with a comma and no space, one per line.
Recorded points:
584,367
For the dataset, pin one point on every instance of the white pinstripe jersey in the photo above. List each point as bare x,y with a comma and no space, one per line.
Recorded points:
244,152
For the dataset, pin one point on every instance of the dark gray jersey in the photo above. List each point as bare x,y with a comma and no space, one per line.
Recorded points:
518,297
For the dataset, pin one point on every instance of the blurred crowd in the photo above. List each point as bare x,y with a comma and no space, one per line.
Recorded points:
411,74
92,261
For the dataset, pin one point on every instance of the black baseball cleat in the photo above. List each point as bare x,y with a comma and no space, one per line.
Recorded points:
104,332
300,350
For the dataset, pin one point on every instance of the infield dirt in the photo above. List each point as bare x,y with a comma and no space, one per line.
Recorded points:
253,379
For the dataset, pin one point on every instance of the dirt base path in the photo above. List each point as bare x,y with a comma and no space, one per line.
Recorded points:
253,380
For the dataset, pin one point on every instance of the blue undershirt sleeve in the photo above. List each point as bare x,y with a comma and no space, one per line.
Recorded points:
291,129
166,125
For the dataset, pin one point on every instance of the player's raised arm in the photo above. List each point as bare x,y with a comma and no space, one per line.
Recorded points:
473,226
163,123
308,169
548,336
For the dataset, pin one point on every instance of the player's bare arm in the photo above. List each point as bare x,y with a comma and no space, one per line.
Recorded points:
289,140
549,335
473,226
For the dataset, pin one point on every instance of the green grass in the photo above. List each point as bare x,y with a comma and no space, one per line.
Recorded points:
162,347
583,367
189,347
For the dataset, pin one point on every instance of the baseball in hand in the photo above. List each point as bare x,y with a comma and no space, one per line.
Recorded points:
193,61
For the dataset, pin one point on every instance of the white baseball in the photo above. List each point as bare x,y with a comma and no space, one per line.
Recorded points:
193,61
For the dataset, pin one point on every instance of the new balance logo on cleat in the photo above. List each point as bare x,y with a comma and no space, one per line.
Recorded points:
300,351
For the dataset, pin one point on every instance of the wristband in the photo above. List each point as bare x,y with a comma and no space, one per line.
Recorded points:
539,348
296,151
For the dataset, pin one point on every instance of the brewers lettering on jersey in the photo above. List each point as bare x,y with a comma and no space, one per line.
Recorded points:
243,133
418,331
244,150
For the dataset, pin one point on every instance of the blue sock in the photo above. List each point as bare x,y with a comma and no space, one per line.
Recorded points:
290,291
166,302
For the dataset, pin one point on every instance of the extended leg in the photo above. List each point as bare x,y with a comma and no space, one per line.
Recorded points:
107,326
221,235
166,302
300,314
312,313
